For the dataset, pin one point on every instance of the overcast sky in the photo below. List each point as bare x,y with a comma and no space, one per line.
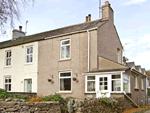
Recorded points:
132,20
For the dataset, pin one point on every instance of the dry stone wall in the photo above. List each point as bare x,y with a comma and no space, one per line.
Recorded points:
30,107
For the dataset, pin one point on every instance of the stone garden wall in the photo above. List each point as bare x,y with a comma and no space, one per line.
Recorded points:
104,105
30,107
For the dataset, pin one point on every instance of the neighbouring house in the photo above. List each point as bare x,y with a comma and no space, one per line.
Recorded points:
82,60
148,86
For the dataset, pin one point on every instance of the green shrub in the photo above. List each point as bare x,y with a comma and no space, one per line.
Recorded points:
148,92
55,97
105,99
3,93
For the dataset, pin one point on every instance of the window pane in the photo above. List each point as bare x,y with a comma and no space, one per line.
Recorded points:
65,84
9,87
28,50
65,42
116,76
105,87
116,85
105,83
30,58
27,58
9,61
100,79
105,78
91,86
7,54
6,86
126,86
101,88
65,74
9,80
101,83
90,77
6,80
31,49
67,51
126,77
63,52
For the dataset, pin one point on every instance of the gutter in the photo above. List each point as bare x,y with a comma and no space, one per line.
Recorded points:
135,71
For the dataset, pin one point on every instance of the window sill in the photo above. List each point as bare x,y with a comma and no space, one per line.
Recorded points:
143,90
7,66
64,59
136,88
89,92
28,64
69,92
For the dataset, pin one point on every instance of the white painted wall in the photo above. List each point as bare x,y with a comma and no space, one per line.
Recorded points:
19,70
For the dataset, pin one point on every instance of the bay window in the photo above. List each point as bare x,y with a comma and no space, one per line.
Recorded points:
65,49
65,81
7,83
126,83
90,83
116,82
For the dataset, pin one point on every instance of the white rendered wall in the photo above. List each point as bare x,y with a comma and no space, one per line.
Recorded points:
19,70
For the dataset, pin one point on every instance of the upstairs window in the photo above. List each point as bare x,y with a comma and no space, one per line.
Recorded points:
8,58
29,54
65,49
142,83
118,55
7,83
135,81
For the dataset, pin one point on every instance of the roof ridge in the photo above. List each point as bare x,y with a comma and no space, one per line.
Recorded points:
67,26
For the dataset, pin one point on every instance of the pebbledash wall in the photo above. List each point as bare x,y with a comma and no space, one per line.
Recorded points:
19,69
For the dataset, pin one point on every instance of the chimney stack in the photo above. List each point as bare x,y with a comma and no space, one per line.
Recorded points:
20,28
107,12
89,17
86,19
18,33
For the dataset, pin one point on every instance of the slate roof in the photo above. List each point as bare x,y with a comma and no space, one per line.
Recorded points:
130,64
59,31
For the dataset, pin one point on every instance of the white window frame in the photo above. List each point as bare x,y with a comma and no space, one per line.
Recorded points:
135,82
142,83
116,80
128,80
8,57
8,82
64,45
29,55
65,77
86,81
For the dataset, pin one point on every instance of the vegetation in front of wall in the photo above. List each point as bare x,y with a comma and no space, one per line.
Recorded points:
55,97
37,99
148,92
4,95
142,109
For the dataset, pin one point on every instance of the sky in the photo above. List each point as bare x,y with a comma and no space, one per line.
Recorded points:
131,18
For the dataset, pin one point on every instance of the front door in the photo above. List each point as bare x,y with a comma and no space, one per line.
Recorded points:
103,86
28,85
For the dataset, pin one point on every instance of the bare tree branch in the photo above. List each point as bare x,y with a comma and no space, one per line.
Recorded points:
10,11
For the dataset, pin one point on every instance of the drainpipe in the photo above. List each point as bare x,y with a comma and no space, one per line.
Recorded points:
88,50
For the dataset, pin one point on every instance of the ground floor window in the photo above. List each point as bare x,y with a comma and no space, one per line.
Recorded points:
65,81
116,82
126,83
7,83
90,83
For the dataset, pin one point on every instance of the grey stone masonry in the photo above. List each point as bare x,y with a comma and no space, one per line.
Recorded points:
28,107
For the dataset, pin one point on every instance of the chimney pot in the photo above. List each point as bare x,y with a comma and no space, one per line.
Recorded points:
86,19
20,28
107,3
89,17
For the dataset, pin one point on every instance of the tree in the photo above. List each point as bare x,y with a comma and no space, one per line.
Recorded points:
10,12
